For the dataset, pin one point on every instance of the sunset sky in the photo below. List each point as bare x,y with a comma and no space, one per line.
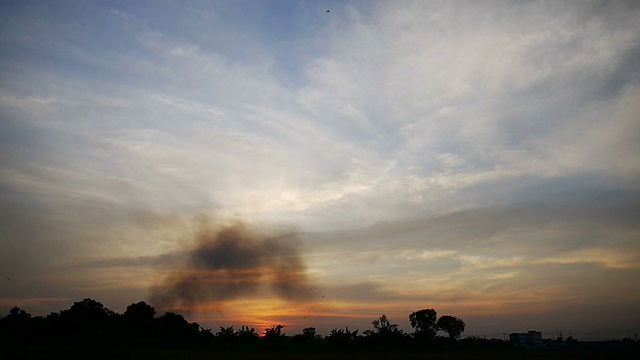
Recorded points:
321,168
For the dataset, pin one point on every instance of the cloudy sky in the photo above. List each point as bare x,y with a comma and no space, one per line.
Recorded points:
479,158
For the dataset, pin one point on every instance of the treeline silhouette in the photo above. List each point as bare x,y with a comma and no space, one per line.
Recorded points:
89,324
90,321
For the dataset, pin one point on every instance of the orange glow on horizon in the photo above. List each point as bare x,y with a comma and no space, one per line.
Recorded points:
262,313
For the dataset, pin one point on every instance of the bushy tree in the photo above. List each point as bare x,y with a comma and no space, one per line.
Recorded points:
140,312
452,325
139,319
87,319
424,323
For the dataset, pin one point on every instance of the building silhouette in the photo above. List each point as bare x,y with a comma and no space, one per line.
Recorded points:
529,338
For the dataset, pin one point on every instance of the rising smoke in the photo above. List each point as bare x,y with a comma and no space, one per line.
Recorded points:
233,262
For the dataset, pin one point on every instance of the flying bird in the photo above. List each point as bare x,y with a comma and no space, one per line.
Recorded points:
328,10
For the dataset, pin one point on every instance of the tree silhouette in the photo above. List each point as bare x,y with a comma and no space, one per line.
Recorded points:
340,337
226,334
16,324
174,327
92,329
309,333
140,312
85,320
205,336
273,333
247,335
383,326
88,311
139,319
17,314
452,325
385,335
307,336
424,321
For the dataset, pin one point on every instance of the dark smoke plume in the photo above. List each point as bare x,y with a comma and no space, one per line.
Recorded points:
234,262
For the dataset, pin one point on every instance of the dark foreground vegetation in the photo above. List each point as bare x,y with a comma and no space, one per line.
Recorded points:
88,330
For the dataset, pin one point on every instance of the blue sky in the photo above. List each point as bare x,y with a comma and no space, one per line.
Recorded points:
480,158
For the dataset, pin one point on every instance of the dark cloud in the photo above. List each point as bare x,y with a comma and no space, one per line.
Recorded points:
233,262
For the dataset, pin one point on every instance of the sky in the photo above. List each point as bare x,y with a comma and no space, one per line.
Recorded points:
272,162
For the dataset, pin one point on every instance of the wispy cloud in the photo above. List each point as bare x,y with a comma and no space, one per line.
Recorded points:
478,149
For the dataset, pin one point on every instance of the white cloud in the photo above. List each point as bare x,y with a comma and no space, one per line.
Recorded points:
428,100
